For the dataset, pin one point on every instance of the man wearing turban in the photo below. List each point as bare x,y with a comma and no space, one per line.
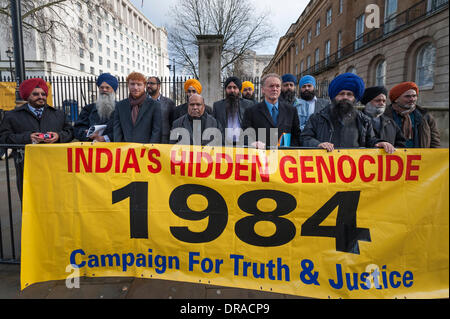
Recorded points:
248,91
99,113
229,112
288,85
385,128
417,124
308,104
191,87
341,125
32,123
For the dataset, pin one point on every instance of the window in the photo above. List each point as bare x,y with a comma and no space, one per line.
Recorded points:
339,45
425,65
309,36
92,70
99,34
327,51
82,67
317,28
341,6
359,32
308,62
91,56
100,47
100,60
302,67
91,43
303,43
81,53
316,58
380,73
329,14
389,13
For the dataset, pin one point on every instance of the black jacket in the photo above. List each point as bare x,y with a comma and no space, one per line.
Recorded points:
18,124
89,117
167,110
389,132
186,122
220,111
319,129
148,124
258,116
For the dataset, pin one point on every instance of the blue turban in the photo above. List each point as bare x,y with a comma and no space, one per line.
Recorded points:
307,79
108,78
349,82
289,78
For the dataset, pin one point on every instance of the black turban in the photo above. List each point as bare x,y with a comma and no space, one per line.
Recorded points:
372,92
235,80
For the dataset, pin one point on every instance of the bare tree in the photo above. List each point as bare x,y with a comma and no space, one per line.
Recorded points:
242,27
49,18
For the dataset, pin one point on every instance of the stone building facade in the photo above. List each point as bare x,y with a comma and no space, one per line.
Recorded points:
383,41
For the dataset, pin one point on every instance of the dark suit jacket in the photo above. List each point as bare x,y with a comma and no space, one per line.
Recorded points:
258,116
220,112
207,122
167,108
89,117
148,124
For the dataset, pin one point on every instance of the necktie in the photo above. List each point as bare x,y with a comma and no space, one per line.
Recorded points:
39,113
274,114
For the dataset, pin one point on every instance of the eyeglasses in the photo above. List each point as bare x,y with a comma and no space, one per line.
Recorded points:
39,94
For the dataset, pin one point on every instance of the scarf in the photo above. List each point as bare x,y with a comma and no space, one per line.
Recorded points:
135,105
406,120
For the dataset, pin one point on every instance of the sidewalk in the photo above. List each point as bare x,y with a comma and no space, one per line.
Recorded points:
122,288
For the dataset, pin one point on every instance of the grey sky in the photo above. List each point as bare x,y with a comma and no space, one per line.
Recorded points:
285,13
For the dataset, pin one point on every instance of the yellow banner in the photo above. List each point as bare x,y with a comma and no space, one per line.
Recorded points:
346,224
8,95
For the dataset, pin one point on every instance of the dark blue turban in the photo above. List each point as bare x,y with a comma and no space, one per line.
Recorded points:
289,78
348,82
108,78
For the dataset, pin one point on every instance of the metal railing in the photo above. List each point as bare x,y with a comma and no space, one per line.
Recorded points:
10,214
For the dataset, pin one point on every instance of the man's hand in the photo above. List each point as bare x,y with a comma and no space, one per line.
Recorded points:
388,147
97,138
54,138
259,145
327,146
35,139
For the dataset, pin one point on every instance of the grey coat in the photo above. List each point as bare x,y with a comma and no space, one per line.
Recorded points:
148,124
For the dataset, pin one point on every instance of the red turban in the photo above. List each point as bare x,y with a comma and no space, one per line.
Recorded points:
401,88
27,86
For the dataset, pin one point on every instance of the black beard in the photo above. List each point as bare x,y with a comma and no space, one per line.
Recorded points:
307,95
249,97
288,96
232,103
343,109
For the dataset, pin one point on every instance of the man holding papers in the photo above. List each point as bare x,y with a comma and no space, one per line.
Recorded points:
95,122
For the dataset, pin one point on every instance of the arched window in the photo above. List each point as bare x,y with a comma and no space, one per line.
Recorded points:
380,73
425,65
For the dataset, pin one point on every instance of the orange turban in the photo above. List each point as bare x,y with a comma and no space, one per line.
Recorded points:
27,86
195,83
247,84
401,88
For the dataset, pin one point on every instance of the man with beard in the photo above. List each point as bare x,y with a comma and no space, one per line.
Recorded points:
271,118
32,123
374,99
288,84
191,87
248,91
341,125
137,119
167,106
308,104
194,123
229,112
417,124
99,113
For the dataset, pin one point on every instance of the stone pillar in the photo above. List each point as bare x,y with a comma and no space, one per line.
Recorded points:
209,65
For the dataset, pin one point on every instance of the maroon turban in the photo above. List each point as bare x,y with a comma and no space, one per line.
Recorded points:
27,86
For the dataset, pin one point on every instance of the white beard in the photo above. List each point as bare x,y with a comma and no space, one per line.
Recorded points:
105,105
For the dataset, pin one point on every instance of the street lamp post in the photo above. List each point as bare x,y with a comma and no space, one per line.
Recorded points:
172,68
19,61
9,54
